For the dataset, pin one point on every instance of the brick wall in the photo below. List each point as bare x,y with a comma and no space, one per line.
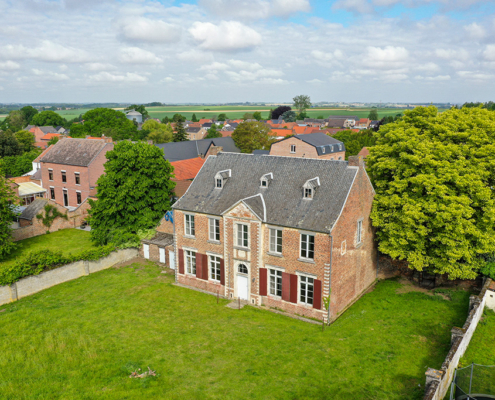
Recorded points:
96,168
165,226
303,149
35,227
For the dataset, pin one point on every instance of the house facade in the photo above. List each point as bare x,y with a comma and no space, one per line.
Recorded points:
277,231
70,169
312,145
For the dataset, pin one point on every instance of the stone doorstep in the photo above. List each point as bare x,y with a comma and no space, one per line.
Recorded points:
235,305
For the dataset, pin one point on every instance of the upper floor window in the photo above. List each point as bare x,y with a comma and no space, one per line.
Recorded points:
275,241
242,235
306,290
219,183
265,179
64,177
221,177
264,183
190,229
190,262
214,229
307,246
50,174
359,237
292,148
310,187
77,178
323,149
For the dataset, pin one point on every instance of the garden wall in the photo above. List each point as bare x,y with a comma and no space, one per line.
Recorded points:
438,381
37,283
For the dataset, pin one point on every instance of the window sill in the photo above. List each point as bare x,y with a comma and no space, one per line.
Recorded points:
214,242
305,305
306,260
189,237
273,297
275,254
242,248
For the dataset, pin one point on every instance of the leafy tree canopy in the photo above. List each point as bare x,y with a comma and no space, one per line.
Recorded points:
25,140
7,215
301,103
140,109
29,112
194,118
222,117
373,115
279,111
249,136
355,141
15,121
19,165
133,194
105,121
159,133
434,176
48,118
248,116
178,117
257,116
9,146
180,134
289,116
213,133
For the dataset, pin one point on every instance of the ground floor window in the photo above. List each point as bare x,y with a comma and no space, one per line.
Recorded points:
275,282
215,268
306,288
190,262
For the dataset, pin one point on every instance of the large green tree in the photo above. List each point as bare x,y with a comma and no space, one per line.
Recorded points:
249,136
105,121
180,134
289,116
29,112
355,141
15,121
213,132
48,118
19,165
373,115
7,215
302,103
434,176
25,140
133,194
159,133
9,146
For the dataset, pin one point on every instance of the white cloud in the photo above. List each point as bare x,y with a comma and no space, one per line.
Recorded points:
148,30
475,75
108,77
47,51
356,6
389,57
99,67
273,81
225,36
168,79
196,56
370,6
428,67
255,9
215,66
245,76
452,54
248,66
9,66
475,31
437,78
49,75
327,56
315,82
489,52
136,55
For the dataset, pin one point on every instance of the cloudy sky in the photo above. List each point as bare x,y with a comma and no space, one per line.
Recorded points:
247,50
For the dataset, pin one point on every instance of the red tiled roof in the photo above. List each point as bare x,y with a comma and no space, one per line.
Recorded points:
187,169
364,120
49,136
204,121
364,152
226,133
281,132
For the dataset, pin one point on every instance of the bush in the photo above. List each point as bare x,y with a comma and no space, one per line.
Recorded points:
489,270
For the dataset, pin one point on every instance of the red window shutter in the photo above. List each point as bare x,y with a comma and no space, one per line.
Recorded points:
317,294
222,272
181,261
293,288
263,281
199,265
205,267
285,286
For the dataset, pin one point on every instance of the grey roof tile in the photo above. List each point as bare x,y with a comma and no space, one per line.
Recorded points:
33,209
78,152
283,197
176,151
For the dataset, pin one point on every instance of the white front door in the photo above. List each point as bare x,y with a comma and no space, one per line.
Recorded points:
146,250
171,259
162,255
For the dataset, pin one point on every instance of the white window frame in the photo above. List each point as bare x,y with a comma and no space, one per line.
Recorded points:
190,262
308,193
304,280
189,229
292,148
277,277
307,246
323,150
217,182
77,175
359,233
50,173
214,263
242,239
212,233
273,247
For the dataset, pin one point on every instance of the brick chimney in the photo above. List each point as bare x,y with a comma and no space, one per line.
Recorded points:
214,150
356,161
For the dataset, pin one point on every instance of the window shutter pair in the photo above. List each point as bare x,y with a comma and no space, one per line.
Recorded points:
181,261
202,266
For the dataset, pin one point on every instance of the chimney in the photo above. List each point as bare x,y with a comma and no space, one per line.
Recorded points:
356,161
107,139
214,150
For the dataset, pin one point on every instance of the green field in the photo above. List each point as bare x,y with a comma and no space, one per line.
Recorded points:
66,240
82,340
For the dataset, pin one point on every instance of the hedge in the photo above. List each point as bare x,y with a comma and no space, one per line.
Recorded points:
36,262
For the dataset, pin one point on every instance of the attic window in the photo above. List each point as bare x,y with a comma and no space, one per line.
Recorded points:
265,179
309,188
221,177
340,147
323,149
292,148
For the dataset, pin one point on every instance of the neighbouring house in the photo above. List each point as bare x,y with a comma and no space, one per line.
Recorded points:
312,145
204,121
363,123
184,173
375,124
70,169
39,132
49,136
278,231
134,115
196,133
160,249
176,151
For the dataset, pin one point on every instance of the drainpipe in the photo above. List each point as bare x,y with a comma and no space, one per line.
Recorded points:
330,275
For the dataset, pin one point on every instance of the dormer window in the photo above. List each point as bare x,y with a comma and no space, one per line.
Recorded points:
221,177
309,188
265,179
323,149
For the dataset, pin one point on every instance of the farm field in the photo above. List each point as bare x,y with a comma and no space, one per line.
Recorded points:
82,340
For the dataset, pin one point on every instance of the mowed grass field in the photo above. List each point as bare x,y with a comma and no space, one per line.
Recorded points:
83,339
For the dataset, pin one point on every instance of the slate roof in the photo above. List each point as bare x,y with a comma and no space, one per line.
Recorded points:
282,201
193,129
133,112
176,151
322,142
32,209
80,152
47,129
265,152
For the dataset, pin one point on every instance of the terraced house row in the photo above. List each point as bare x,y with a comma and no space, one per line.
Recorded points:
283,232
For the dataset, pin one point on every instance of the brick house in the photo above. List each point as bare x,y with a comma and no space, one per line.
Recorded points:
39,132
278,231
312,145
70,169
196,132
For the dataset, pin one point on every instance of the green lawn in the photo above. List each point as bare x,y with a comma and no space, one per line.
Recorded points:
82,339
481,349
65,240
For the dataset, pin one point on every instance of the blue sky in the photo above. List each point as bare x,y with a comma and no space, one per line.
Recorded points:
247,50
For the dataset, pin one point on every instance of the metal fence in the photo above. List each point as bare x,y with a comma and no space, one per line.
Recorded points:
476,382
